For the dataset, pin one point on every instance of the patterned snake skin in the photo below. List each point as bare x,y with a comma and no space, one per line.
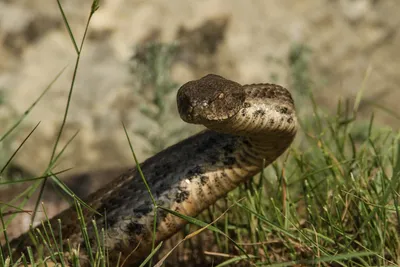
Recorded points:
246,125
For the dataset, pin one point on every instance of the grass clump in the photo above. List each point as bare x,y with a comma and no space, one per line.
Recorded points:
48,238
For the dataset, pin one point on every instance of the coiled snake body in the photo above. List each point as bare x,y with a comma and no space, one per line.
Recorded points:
247,125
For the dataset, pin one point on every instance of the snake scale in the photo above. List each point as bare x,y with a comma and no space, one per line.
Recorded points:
247,124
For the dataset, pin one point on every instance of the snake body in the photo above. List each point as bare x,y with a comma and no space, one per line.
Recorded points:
248,126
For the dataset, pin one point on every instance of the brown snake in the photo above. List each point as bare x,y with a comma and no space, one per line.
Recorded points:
246,125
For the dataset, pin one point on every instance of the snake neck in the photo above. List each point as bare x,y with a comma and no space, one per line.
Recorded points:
260,132
254,153
265,125
264,128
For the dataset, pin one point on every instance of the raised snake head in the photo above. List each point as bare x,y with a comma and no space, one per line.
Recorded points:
209,99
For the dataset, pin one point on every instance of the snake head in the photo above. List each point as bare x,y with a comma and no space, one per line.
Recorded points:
209,99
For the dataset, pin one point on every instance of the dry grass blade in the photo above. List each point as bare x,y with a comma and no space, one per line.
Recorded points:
160,262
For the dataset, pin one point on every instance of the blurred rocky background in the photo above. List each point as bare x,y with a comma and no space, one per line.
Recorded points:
138,53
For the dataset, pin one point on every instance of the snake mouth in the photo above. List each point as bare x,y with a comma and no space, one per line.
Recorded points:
185,108
204,112
194,113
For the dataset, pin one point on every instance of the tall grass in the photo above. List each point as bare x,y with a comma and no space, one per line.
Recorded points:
56,153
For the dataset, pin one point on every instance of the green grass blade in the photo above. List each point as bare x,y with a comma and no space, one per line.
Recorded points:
32,179
18,148
150,256
71,35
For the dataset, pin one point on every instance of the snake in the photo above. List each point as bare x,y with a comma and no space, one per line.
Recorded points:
247,127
